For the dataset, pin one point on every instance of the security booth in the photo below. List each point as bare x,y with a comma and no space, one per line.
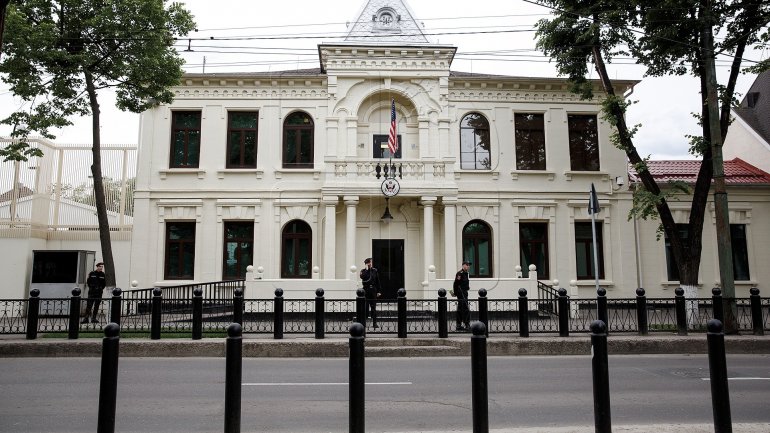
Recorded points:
56,272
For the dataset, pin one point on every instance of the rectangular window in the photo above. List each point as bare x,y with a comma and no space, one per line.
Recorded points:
238,249
584,250
673,270
180,250
530,141
185,139
533,243
380,147
583,142
740,252
242,140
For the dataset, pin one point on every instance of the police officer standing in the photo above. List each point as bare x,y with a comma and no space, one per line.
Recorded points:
96,282
371,281
461,286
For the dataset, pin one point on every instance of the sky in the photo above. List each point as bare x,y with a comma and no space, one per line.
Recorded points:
282,36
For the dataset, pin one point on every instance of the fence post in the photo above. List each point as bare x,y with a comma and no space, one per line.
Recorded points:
197,314
443,329
356,379
601,307
720,395
681,313
238,306
756,312
401,300
641,311
361,307
484,309
33,313
480,389
523,313
278,314
74,327
563,313
233,375
601,377
320,314
716,303
157,304
116,307
108,382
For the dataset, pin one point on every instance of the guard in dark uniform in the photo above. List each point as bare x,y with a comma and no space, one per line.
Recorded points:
461,286
371,281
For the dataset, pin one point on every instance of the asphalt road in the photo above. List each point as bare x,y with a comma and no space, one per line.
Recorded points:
402,394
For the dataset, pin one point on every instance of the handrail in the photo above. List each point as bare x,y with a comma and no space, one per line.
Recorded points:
549,298
211,290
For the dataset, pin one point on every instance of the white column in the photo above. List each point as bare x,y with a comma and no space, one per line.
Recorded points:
450,236
427,233
330,237
351,201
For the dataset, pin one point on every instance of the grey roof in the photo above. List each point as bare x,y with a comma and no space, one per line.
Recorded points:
758,116
268,74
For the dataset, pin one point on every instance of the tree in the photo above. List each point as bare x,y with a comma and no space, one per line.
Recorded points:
60,53
3,9
668,37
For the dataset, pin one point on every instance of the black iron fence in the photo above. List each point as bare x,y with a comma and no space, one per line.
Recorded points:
169,312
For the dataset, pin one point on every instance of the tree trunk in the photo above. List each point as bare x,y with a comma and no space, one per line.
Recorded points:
3,11
96,170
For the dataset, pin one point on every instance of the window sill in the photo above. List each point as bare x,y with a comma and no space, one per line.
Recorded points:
601,174
607,284
533,173
165,172
493,174
281,171
258,172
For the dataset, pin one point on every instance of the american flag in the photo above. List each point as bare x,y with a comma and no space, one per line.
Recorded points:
392,137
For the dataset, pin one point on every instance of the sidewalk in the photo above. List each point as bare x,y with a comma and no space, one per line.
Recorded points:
657,428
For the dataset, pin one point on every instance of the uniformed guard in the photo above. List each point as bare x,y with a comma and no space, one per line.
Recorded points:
461,286
371,281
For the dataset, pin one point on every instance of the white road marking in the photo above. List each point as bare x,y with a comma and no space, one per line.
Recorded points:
741,378
320,383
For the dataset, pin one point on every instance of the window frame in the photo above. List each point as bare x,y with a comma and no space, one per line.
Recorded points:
587,247
473,240
173,143
180,251
671,269
298,129
240,266
477,143
520,142
241,144
542,274
581,157
740,247
296,238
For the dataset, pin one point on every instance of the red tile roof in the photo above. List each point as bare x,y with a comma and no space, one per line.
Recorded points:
737,172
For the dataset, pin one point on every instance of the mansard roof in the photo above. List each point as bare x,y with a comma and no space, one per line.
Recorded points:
755,107
386,21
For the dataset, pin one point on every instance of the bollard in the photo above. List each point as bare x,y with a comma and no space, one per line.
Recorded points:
116,306
720,396
563,313
479,385
157,304
681,313
238,306
756,312
443,329
523,313
641,312
233,375
484,309
33,313
319,314
197,314
108,383
278,314
361,307
74,326
716,301
601,307
601,377
401,301
356,379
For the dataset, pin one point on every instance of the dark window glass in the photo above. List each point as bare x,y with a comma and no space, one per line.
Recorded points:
242,140
583,142
530,141
584,250
533,241
298,141
477,248
296,256
238,249
380,147
180,250
474,143
185,139
673,270
740,252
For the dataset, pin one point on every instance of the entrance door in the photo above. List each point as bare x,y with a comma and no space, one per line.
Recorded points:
388,255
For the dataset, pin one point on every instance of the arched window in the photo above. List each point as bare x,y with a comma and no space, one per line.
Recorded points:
477,248
298,141
296,247
474,143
